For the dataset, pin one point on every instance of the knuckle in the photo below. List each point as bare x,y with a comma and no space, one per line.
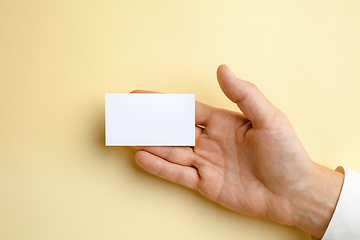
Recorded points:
280,120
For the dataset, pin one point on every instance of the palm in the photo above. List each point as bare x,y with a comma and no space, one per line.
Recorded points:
236,164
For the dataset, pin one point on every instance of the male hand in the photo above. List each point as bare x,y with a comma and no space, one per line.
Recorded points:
251,162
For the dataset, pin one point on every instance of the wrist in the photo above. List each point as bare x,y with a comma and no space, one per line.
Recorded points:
314,208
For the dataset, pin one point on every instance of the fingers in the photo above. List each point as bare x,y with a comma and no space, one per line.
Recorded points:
198,132
142,91
247,96
187,176
203,113
183,156
179,155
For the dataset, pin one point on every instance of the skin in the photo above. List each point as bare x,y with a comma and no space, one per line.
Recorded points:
250,161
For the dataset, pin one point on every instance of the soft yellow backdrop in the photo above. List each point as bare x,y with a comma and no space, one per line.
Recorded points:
57,59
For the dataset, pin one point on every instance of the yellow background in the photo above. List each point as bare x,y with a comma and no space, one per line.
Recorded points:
57,59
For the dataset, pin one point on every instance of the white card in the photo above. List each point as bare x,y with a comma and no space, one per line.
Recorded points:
149,119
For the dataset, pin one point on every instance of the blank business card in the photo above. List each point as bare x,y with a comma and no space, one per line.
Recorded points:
149,119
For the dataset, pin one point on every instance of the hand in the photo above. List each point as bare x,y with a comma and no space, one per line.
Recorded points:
251,162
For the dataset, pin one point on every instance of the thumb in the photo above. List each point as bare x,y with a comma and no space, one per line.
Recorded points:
247,96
